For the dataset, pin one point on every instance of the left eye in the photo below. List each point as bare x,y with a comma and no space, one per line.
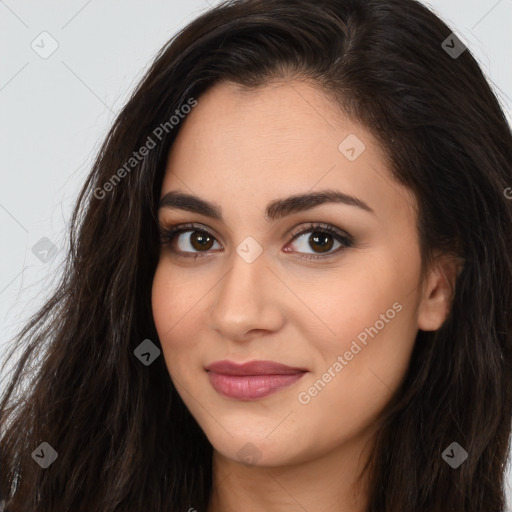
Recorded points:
323,241
322,237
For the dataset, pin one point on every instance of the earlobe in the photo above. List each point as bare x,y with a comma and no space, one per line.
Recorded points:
438,292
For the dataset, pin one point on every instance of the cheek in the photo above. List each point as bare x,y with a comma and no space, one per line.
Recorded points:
362,302
372,328
175,313
177,294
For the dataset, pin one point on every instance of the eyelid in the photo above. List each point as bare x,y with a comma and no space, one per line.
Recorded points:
321,227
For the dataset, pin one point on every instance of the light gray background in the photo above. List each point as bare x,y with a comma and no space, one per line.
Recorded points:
54,112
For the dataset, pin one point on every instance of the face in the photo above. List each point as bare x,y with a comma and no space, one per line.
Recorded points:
305,261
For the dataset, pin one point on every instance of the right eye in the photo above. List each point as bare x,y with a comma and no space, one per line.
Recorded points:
189,238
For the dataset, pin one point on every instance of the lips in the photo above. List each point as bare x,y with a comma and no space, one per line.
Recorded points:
253,380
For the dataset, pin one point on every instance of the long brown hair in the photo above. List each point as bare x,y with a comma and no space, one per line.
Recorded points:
124,439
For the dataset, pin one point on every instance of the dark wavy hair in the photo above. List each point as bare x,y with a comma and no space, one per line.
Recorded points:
125,440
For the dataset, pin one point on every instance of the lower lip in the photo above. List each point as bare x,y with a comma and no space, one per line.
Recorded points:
251,387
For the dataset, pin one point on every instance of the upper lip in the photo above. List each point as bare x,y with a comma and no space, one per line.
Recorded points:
226,367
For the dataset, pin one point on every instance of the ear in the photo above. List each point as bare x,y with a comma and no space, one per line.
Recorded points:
438,291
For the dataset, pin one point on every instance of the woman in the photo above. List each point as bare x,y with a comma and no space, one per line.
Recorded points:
289,280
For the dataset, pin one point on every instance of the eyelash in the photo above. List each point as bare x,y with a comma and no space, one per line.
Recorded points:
168,235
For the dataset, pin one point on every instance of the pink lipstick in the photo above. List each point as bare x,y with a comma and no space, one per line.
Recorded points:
253,380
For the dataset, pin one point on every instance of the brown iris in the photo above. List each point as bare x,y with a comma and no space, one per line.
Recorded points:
201,240
323,239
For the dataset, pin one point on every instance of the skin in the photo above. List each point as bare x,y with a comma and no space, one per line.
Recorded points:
241,150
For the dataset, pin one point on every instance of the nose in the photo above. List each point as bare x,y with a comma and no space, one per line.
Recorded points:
248,300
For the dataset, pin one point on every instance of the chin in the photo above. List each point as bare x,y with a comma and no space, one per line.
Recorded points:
248,447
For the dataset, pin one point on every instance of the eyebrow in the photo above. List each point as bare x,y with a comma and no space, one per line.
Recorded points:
275,210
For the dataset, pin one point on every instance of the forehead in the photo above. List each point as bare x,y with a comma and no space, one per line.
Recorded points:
247,147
